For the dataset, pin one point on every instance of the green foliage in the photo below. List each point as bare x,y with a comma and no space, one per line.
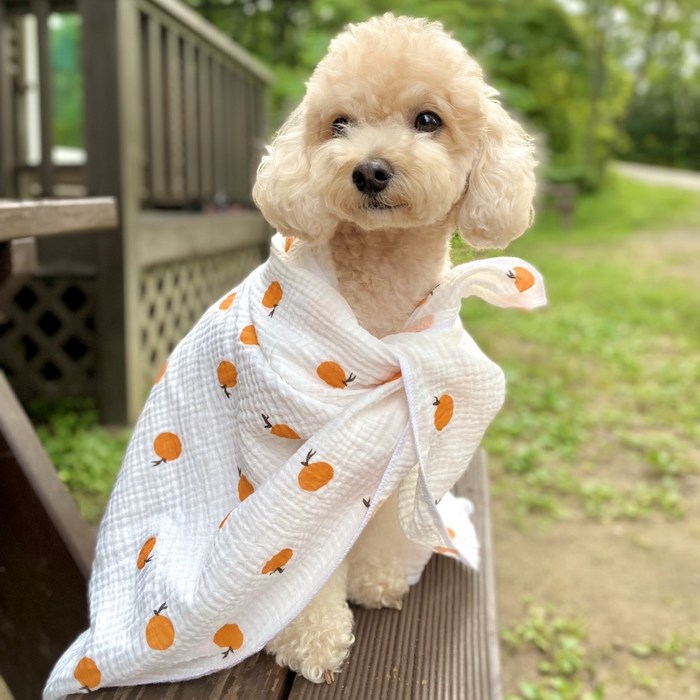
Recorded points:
565,672
680,651
535,53
594,78
662,124
67,80
87,456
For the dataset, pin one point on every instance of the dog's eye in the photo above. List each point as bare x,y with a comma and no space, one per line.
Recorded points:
427,121
339,124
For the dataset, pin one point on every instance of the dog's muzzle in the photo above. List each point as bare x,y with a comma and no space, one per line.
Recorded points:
372,176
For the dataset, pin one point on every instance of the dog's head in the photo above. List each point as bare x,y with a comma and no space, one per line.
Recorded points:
398,130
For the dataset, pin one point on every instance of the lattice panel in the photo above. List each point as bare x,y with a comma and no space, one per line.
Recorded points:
175,295
47,336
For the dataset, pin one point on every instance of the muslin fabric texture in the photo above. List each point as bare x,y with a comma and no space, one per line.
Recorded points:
278,427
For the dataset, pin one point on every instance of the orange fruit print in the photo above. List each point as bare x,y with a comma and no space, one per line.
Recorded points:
334,375
160,633
87,673
524,279
161,373
245,488
392,378
280,429
314,476
229,637
272,297
278,562
145,554
168,447
249,336
443,412
227,375
228,301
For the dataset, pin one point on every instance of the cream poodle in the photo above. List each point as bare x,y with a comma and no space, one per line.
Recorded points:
397,144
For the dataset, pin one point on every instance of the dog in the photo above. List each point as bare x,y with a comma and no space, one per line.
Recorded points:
397,144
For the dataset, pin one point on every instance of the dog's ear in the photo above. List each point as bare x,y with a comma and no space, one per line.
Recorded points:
497,204
282,187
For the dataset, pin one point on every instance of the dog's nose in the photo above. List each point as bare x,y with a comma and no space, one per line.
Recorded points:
372,176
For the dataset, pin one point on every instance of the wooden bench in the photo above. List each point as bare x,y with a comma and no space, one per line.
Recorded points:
46,548
443,645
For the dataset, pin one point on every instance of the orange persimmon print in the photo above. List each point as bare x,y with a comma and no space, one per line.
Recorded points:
278,562
272,297
168,447
227,375
161,373
443,413
393,377
288,243
227,302
451,533
280,429
160,632
224,519
249,336
314,475
145,555
87,673
228,637
447,550
524,279
334,375
245,488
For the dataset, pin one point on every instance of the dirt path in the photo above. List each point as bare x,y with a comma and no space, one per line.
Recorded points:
635,585
654,174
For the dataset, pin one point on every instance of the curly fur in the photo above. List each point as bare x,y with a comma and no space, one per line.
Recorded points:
475,175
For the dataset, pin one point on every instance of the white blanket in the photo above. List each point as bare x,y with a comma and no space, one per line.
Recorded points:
276,430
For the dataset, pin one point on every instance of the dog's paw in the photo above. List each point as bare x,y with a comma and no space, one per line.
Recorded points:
374,585
316,644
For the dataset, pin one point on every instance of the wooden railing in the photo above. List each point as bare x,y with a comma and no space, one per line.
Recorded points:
198,103
174,118
203,110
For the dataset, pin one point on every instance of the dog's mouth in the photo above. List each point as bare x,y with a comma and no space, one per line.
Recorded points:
375,204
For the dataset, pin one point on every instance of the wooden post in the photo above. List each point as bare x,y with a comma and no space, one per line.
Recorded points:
155,110
192,127
111,59
6,102
206,171
174,116
40,8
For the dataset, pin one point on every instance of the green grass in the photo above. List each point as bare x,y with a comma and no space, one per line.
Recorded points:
603,380
87,456
565,671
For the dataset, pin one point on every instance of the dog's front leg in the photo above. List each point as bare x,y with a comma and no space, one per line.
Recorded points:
317,642
376,575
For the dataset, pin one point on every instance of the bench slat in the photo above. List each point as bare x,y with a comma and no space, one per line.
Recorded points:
256,677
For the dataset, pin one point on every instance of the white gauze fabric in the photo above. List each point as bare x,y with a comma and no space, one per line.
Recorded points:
276,430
